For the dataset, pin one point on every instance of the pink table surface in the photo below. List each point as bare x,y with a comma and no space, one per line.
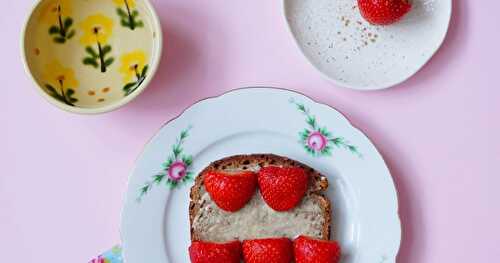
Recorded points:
63,176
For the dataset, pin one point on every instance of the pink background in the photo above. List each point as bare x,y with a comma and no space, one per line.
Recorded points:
63,175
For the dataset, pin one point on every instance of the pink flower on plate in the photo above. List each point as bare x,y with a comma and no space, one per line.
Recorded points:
177,170
317,141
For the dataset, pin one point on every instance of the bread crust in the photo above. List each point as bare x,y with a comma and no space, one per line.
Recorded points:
318,183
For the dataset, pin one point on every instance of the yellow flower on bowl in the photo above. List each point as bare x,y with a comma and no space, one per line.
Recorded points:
133,64
58,14
96,29
60,82
56,73
129,3
53,9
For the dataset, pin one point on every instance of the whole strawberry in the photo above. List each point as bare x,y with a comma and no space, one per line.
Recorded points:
230,191
270,250
309,250
383,12
206,252
282,187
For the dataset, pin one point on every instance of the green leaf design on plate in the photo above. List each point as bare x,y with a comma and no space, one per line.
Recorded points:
158,178
304,135
185,161
172,184
188,160
311,121
316,148
144,189
176,150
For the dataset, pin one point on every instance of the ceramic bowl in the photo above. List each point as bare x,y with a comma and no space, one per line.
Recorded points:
91,56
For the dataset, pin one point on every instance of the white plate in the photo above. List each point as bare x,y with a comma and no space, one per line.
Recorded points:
355,54
155,225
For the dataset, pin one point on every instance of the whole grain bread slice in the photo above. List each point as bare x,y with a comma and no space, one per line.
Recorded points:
311,217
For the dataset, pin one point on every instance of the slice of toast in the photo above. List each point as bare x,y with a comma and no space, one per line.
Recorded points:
256,219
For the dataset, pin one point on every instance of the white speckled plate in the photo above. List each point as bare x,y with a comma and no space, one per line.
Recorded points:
355,54
155,221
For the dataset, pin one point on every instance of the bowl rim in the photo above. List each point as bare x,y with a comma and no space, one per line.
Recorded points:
155,61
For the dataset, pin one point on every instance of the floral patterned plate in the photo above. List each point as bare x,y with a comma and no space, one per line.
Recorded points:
92,56
155,222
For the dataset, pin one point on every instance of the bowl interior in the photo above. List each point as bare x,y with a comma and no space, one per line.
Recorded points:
92,55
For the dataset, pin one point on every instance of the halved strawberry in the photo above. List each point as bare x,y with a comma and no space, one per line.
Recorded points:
270,250
309,250
206,252
383,12
230,191
282,187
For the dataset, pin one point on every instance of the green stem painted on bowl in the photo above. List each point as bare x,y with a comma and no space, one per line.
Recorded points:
141,76
64,95
129,18
62,30
61,24
98,59
101,57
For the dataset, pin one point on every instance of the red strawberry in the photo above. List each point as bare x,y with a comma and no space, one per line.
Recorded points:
309,250
282,187
383,12
230,191
206,252
271,250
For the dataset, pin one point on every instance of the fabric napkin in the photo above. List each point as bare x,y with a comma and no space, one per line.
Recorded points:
113,255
